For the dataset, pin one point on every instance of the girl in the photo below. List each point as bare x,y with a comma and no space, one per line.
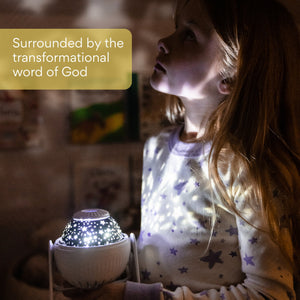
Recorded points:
220,189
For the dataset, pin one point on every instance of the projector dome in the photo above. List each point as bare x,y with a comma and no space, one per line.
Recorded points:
90,228
92,249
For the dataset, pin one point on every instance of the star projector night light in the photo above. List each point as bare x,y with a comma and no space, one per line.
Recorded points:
92,249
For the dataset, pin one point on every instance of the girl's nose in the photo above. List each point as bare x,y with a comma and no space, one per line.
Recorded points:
162,46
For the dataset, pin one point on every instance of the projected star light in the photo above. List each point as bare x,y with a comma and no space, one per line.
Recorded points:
89,233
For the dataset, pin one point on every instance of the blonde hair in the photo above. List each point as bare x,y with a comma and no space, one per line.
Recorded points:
259,120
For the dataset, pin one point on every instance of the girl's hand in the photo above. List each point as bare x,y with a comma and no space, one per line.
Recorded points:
111,291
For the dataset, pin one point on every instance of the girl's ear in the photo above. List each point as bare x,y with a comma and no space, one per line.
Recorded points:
224,87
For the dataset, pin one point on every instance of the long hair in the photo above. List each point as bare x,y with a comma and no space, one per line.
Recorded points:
259,120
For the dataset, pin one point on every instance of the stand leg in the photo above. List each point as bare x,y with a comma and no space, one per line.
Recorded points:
50,263
135,257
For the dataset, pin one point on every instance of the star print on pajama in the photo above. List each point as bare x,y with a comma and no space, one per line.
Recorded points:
195,242
173,251
212,258
253,240
145,275
177,209
183,270
249,260
179,187
233,253
232,230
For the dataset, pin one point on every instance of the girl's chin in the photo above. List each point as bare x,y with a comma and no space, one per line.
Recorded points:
158,84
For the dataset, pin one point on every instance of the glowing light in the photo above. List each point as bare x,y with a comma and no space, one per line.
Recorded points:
150,181
91,232
162,166
177,212
195,197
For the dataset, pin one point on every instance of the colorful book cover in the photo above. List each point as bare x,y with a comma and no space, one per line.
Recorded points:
97,116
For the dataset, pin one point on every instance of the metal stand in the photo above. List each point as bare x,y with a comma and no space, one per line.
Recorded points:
50,263
135,268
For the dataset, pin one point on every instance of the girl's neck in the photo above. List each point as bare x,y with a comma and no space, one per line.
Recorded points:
192,131
197,113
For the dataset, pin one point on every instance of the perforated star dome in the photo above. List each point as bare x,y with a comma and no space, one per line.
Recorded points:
92,227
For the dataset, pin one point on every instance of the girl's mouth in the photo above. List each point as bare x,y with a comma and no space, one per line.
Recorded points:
159,67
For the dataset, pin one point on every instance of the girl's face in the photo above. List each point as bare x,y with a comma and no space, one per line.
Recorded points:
188,62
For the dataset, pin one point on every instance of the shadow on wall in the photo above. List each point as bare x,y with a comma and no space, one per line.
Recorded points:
148,20
68,8
43,7
133,9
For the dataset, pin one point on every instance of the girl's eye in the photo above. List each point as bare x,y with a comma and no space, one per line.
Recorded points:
190,36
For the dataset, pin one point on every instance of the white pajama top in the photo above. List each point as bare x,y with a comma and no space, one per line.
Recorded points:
179,249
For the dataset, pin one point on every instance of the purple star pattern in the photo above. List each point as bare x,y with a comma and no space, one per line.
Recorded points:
253,240
232,230
157,150
145,274
150,169
242,222
248,260
183,270
173,251
163,196
194,242
179,187
233,253
197,184
212,258
222,296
